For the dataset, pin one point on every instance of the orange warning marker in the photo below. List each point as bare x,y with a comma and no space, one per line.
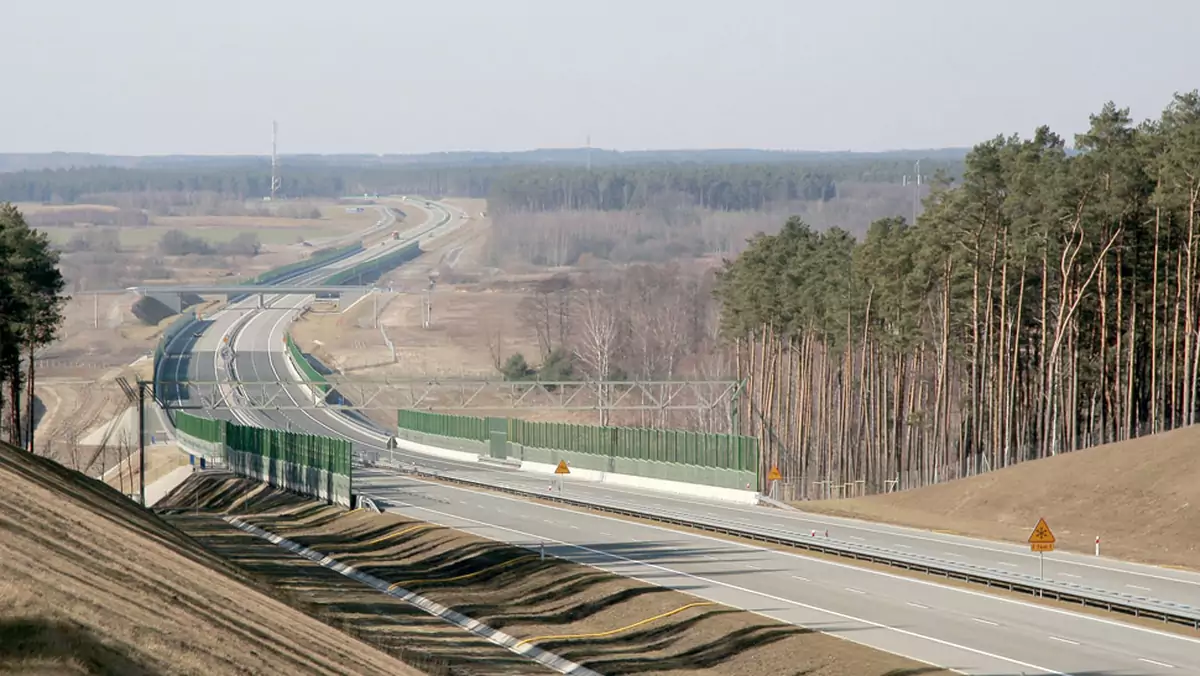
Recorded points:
774,474
562,468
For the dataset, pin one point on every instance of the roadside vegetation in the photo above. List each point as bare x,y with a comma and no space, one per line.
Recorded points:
31,302
1047,302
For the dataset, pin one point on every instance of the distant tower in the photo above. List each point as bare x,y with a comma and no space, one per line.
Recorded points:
915,182
275,181
589,152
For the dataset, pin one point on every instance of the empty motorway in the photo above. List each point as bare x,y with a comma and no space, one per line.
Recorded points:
962,629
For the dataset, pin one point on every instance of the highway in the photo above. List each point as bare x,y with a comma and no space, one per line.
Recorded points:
949,626
959,628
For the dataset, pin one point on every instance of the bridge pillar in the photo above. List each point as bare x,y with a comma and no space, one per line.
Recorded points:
260,300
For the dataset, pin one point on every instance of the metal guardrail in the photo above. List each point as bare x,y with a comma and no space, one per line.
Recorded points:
1130,604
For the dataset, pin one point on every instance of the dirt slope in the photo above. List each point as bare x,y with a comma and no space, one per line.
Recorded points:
91,584
614,625
1142,497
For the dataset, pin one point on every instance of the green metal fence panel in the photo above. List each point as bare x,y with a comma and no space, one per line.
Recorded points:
316,260
474,428
204,429
306,369
735,453
305,450
375,266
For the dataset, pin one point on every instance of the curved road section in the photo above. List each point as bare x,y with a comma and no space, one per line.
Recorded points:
960,628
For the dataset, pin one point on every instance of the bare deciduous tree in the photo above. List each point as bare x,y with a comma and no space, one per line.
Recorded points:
599,336
548,312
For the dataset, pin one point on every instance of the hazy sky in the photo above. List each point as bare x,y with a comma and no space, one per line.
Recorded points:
398,76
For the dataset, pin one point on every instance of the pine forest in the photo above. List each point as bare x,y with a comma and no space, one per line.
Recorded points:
1047,301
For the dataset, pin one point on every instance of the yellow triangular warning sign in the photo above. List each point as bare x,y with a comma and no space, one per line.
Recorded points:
774,474
562,468
1041,534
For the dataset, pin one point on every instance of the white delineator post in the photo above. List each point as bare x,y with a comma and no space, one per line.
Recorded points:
1097,545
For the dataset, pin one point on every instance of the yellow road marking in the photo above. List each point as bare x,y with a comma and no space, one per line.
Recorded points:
396,534
463,577
612,632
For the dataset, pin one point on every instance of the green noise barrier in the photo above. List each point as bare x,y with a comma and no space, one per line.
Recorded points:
303,463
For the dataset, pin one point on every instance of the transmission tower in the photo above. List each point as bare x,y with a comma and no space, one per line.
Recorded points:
275,181
915,181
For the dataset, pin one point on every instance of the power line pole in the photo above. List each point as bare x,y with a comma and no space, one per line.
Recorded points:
275,180
915,182
141,418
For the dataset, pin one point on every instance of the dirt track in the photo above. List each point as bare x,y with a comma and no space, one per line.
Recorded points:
513,590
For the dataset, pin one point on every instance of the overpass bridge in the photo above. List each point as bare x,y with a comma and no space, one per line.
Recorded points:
172,295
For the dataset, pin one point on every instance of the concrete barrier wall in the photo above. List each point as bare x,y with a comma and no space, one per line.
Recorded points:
446,448
333,488
638,474
467,446
744,497
714,477
211,450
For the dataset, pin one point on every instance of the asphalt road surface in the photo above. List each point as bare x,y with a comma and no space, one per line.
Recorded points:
959,628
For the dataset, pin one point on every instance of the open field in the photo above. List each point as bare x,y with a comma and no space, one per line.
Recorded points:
91,584
215,230
465,321
556,604
62,222
1140,496
469,314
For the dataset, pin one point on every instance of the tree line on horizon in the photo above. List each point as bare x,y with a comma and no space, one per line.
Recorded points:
1047,302
518,188
31,303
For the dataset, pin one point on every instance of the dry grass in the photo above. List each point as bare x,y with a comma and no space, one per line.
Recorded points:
91,584
1141,497
467,317
465,327
528,598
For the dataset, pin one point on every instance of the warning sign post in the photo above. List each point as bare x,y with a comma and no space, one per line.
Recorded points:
560,471
1041,540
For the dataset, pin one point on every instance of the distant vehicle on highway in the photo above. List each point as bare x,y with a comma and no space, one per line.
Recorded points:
396,235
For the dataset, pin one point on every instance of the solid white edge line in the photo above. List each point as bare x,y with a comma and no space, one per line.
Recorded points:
556,662
893,576
745,590
907,532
